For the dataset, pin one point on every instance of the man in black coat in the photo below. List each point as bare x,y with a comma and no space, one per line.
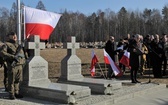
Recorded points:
110,49
157,56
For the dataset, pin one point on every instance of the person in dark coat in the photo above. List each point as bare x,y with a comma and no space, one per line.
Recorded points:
164,43
157,56
110,49
133,48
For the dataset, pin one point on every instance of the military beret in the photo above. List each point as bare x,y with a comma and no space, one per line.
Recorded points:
11,33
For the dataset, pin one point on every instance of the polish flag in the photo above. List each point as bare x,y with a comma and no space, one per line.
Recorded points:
93,63
105,58
117,71
125,59
39,22
120,48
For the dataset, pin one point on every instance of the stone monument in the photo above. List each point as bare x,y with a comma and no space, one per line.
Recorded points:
71,73
36,83
71,64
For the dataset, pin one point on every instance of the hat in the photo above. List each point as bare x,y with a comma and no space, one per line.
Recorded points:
147,35
163,34
11,33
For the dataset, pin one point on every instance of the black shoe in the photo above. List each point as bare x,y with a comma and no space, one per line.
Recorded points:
18,96
12,97
6,90
137,81
133,82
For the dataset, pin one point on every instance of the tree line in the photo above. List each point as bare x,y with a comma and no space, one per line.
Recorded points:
95,27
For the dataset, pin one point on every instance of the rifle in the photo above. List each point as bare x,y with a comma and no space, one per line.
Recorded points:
17,56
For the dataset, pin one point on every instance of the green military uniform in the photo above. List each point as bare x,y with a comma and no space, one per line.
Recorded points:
14,72
3,64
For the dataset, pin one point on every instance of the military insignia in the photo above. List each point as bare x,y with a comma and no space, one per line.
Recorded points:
37,45
73,45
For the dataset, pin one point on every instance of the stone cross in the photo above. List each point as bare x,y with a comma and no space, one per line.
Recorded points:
72,46
71,64
36,45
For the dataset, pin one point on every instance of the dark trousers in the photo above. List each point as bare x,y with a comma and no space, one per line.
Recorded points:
110,72
134,74
5,77
164,65
157,72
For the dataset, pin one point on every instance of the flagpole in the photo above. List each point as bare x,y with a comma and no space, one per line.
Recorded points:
18,22
101,71
106,69
24,22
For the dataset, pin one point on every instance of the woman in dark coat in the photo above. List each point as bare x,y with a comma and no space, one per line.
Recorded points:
133,48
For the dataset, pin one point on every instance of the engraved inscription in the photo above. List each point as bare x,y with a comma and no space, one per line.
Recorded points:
38,72
74,69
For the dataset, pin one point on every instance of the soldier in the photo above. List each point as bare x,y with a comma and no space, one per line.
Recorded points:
14,56
143,61
3,64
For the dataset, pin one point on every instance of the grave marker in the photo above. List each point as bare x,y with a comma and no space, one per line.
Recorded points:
36,83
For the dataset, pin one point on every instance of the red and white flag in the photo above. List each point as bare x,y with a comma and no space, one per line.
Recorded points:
39,22
93,63
108,60
120,48
125,59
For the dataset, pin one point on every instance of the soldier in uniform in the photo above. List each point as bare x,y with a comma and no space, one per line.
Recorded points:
3,64
14,56
143,60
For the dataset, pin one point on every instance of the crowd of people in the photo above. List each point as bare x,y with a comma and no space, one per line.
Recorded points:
150,51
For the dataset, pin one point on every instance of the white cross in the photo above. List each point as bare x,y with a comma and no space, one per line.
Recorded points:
72,46
36,45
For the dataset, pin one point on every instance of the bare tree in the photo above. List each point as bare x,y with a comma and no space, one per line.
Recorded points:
4,18
41,6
